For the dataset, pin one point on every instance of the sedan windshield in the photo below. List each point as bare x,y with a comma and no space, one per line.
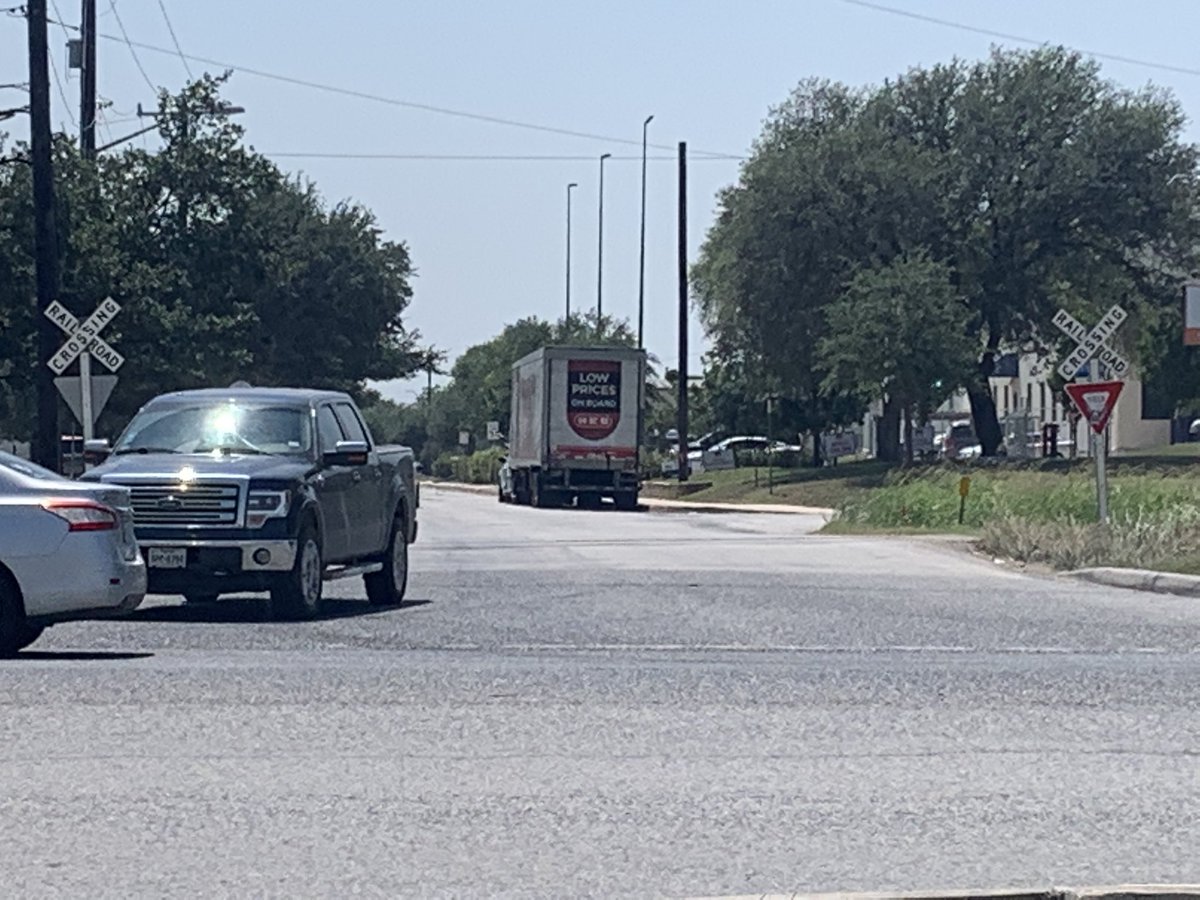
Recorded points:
219,428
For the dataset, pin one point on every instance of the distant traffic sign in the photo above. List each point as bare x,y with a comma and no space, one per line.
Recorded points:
84,337
84,342
71,389
1096,401
1092,344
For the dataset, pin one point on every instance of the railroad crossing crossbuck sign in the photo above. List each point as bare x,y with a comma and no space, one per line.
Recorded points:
84,337
1092,344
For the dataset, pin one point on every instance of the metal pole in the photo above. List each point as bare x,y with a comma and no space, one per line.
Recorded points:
45,438
85,388
642,242
682,412
1099,452
600,249
572,185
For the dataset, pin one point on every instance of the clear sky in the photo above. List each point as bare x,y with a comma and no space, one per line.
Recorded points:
488,236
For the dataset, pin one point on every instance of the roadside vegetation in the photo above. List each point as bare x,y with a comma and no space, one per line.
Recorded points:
1045,512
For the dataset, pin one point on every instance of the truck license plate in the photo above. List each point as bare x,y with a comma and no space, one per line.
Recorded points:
168,558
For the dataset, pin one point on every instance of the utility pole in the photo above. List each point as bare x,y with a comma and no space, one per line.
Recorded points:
45,438
567,320
642,241
87,83
87,147
682,421
600,249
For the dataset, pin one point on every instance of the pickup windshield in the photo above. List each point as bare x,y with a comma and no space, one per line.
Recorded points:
219,428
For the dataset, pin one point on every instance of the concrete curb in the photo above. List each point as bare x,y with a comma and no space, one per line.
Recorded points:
1112,892
659,505
1141,580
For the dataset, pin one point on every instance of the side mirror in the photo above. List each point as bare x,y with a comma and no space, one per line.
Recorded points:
347,453
96,451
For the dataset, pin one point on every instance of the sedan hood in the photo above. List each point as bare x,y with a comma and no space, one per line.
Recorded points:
172,465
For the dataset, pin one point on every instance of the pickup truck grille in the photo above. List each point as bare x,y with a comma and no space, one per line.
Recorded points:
191,504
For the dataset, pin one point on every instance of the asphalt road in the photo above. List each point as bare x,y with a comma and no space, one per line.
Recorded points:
614,704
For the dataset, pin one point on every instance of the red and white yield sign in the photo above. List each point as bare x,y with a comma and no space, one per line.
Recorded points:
1096,401
84,337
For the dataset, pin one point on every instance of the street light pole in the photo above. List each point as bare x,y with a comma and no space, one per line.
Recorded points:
642,241
570,187
600,251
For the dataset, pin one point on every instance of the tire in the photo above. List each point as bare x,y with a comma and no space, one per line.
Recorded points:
15,633
590,501
297,595
627,501
387,587
521,492
200,598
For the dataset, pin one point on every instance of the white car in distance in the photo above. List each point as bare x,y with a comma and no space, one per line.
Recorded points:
67,551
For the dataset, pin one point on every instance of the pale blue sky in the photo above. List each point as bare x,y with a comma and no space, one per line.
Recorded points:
488,237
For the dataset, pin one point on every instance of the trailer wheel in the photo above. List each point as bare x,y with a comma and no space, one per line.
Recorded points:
521,488
539,497
627,501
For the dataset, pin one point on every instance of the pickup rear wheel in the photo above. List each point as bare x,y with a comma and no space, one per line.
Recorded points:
387,586
297,595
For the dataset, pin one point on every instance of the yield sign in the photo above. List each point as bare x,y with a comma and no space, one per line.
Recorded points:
1096,401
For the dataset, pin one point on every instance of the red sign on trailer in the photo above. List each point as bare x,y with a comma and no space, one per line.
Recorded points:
1096,401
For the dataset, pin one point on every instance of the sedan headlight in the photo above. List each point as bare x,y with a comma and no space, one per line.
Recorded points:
263,505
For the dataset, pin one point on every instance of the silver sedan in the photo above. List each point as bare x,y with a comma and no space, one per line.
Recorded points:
67,551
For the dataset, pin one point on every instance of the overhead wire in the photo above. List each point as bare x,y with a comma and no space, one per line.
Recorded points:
407,104
473,157
175,41
125,35
1004,36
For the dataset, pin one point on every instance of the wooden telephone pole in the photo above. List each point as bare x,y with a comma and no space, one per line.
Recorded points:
45,438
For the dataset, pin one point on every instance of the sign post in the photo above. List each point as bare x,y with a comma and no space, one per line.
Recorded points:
84,342
1096,399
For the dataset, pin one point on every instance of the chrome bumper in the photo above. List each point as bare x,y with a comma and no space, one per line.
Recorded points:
282,553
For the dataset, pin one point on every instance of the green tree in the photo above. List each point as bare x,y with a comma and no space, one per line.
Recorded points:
899,332
1061,189
225,267
1037,183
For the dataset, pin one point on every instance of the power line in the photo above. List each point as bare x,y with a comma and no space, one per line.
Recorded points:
407,104
987,32
482,157
116,15
175,41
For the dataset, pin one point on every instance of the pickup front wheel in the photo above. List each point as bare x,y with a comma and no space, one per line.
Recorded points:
387,586
297,595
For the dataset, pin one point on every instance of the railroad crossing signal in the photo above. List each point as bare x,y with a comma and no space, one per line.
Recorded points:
1092,344
84,342
84,337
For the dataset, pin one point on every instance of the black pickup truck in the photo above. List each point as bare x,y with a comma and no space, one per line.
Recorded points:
264,489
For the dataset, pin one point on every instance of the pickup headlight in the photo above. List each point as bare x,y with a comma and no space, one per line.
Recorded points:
263,505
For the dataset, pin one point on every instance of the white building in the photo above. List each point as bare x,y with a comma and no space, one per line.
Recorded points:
1025,401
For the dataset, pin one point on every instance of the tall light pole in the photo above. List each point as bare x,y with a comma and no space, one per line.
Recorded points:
570,187
600,251
642,240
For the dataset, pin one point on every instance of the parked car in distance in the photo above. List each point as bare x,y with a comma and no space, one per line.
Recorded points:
67,551
265,489
960,442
